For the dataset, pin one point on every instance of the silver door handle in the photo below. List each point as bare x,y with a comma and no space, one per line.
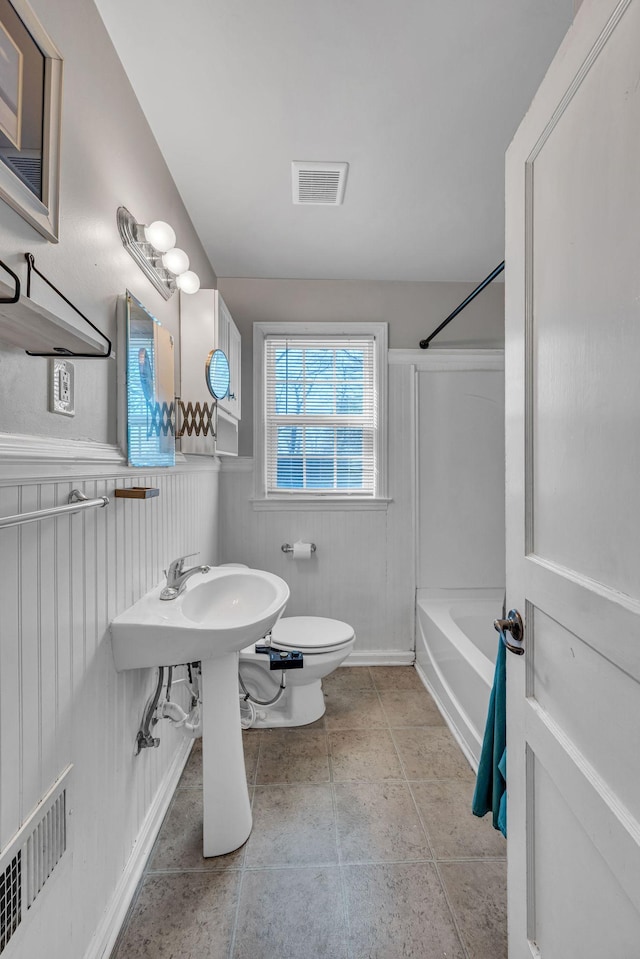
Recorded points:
514,625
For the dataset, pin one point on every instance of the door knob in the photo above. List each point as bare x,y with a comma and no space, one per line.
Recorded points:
514,625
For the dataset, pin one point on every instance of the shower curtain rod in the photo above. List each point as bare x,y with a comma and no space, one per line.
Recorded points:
424,344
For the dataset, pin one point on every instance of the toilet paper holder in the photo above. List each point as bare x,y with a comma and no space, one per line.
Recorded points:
288,548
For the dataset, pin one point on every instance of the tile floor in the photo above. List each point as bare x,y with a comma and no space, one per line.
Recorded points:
363,845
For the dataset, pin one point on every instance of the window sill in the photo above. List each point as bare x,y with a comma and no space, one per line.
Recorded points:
324,504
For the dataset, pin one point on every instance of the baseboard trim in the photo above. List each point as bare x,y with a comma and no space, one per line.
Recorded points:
380,657
106,935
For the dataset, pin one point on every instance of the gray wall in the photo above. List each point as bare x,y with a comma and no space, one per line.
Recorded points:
413,311
62,701
109,158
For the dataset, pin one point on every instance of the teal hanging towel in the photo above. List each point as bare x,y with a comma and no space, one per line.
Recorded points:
490,794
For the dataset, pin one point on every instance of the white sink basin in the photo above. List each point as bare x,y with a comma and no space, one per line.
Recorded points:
218,612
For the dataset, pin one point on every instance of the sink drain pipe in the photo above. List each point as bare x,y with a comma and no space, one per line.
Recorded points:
144,739
190,723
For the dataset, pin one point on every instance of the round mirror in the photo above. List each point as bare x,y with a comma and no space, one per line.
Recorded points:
217,374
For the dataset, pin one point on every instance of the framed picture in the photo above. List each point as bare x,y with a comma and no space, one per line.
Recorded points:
30,110
10,87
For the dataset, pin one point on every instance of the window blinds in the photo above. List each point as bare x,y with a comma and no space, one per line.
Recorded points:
321,415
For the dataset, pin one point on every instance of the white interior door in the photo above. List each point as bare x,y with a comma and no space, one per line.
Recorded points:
573,498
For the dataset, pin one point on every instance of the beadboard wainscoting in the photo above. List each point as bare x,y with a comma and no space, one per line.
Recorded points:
61,701
363,571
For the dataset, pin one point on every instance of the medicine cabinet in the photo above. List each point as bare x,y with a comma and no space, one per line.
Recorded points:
146,392
206,325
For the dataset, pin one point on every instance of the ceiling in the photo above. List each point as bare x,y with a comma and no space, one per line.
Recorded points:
420,97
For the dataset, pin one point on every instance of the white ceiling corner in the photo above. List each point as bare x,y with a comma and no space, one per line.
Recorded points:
420,98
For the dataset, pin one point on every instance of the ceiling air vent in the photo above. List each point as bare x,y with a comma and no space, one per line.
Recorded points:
319,183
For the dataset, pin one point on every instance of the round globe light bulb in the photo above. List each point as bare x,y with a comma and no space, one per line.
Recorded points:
188,282
160,235
176,261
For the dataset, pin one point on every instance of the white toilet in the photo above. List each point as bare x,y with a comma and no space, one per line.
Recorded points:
324,644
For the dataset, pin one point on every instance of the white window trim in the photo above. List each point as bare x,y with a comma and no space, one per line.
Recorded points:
304,500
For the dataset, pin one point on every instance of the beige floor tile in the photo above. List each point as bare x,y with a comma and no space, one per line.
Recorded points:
478,895
378,822
348,677
431,752
365,755
192,772
179,844
293,756
291,914
292,825
318,724
303,824
397,911
410,707
354,709
251,740
190,916
453,830
395,677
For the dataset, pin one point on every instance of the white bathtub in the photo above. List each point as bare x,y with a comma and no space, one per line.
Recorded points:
456,647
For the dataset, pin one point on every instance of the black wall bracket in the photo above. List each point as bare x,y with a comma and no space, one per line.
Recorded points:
60,351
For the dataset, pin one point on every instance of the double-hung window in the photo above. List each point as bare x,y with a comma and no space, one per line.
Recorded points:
320,411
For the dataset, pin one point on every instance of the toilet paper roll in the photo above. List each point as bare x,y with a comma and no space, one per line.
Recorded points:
301,550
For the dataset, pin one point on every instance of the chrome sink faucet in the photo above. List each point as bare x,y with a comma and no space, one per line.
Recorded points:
177,576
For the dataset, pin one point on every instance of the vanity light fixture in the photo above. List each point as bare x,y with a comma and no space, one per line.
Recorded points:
188,282
175,261
160,235
153,247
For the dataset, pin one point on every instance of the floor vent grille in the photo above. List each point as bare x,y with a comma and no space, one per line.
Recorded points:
45,846
31,857
320,184
10,900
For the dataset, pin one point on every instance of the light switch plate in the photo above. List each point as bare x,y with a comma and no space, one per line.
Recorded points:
61,387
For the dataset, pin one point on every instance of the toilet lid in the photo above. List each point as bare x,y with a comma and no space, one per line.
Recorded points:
310,634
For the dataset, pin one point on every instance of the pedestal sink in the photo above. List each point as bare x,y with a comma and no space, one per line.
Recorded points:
216,615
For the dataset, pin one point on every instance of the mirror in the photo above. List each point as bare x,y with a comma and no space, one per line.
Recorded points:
150,389
217,374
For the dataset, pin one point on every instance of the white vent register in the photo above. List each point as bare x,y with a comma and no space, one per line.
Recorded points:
27,862
320,184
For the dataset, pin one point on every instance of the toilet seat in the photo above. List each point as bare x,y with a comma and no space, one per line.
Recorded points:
310,634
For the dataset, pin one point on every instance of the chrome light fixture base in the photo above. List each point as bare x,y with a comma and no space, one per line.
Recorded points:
148,259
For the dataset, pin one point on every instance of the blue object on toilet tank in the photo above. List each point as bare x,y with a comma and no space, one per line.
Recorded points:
490,794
